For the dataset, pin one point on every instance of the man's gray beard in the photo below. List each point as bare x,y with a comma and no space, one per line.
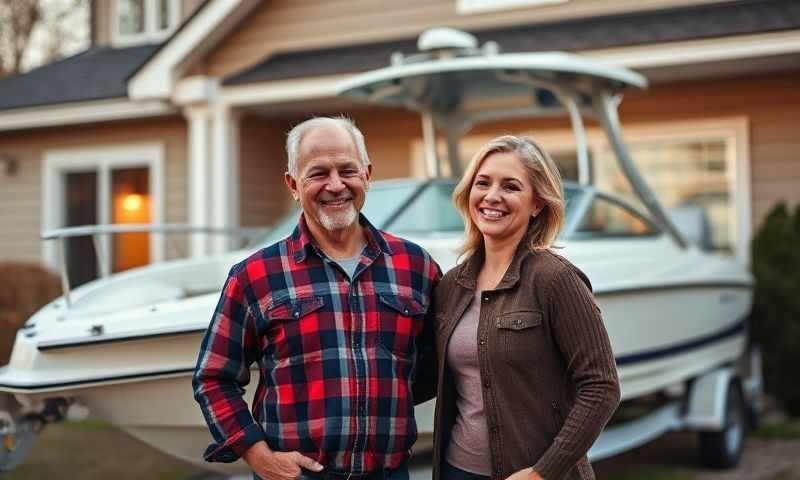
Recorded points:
338,222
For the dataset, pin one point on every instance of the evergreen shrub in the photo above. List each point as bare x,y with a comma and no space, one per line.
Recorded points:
776,310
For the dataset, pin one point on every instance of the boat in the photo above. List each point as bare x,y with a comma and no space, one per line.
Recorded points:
123,347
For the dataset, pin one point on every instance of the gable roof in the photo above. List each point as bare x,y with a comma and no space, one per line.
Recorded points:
196,36
707,21
95,74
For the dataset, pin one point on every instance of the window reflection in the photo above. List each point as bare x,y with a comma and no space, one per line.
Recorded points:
131,16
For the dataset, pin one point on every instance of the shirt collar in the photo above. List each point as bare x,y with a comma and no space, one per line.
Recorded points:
302,242
468,271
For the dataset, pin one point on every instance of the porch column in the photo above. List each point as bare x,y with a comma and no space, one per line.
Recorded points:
199,117
224,174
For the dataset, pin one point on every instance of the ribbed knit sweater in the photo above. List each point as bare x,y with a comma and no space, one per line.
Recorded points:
549,378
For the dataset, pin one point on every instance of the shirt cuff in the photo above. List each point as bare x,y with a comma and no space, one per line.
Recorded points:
235,446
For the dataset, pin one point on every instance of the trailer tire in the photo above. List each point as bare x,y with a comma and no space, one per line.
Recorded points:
723,449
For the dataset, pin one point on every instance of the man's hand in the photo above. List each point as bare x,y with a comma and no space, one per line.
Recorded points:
271,465
525,474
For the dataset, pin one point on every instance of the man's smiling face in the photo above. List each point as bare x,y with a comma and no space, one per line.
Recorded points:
331,181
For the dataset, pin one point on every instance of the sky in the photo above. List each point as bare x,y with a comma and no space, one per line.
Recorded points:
76,26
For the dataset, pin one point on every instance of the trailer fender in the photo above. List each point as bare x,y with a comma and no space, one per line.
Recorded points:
706,401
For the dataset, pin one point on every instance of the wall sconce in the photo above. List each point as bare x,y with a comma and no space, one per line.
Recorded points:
8,164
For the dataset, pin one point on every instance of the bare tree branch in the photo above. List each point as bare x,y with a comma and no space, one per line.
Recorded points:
19,22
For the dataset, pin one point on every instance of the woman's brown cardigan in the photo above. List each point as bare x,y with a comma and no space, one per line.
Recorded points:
549,378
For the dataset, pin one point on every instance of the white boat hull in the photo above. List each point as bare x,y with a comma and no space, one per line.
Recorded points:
661,336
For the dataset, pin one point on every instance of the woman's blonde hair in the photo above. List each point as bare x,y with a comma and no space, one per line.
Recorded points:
547,190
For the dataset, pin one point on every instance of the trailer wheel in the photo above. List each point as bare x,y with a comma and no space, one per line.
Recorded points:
723,449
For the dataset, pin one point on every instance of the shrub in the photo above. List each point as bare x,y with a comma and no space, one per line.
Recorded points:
776,311
24,288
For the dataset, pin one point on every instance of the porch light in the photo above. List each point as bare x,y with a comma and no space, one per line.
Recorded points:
132,202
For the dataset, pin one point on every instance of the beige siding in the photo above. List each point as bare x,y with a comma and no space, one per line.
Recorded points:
263,195
101,23
287,25
21,194
188,7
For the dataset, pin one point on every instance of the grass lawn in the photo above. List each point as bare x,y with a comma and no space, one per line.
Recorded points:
778,431
650,473
92,450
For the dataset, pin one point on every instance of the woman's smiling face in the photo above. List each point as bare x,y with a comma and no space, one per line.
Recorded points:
501,198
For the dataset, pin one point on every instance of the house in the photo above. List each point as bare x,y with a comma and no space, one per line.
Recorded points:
178,111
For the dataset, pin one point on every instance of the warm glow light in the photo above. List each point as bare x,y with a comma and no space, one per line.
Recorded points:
132,202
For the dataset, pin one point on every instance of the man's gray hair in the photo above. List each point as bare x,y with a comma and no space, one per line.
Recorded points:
296,134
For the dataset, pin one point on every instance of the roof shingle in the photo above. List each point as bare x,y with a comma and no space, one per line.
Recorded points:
95,74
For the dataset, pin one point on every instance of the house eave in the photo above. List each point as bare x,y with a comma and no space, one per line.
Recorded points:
82,112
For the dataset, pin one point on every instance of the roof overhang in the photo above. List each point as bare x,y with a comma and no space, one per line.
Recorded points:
156,79
83,112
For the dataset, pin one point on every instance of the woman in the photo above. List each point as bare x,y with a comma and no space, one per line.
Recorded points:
527,378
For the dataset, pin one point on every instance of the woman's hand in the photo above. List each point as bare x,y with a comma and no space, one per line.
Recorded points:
525,474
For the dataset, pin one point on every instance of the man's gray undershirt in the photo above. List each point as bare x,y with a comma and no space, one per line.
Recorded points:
349,264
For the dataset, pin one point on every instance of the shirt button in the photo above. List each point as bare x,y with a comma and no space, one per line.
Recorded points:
486,384
486,299
483,341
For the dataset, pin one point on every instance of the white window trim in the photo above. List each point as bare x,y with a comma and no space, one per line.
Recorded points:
151,33
734,130
102,160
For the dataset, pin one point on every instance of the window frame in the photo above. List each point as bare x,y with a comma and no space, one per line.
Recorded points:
151,32
103,160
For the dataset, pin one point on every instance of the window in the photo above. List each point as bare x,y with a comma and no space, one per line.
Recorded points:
144,21
703,167
121,184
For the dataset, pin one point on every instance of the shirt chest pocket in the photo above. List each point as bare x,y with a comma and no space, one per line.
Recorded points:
520,336
400,320
296,326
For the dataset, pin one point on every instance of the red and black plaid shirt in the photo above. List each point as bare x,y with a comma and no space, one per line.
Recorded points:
337,357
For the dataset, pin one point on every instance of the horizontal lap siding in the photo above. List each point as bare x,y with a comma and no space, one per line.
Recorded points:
263,194
289,25
21,194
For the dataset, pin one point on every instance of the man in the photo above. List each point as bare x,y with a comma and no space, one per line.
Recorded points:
335,318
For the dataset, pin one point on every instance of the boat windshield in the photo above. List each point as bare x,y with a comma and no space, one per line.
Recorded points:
383,201
432,212
409,207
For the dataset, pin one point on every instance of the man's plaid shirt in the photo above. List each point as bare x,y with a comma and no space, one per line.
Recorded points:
337,357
